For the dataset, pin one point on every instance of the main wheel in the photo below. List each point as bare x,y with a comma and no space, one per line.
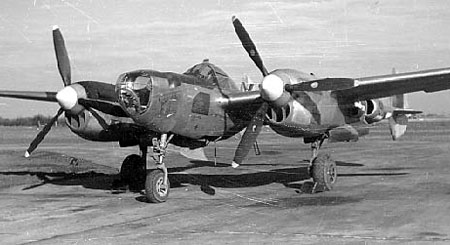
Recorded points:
324,173
155,190
132,172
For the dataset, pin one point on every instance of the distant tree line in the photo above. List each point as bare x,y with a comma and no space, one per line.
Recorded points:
38,120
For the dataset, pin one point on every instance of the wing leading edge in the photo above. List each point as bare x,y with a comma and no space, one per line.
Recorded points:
30,95
388,85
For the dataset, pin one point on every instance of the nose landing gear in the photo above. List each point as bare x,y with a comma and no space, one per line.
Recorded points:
157,186
137,176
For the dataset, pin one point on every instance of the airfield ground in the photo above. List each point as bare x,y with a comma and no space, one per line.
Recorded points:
387,193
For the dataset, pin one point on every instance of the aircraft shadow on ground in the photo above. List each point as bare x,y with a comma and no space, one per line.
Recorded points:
282,175
285,176
93,180
90,180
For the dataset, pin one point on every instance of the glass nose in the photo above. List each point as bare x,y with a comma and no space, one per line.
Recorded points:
134,93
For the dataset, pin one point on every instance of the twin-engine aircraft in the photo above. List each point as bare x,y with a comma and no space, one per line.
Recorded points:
148,108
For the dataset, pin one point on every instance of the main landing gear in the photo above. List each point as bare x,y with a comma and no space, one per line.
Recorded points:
155,181
322,168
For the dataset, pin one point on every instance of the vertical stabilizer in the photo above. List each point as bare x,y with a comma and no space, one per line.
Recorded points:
397,125
398,122
247,84
399,119
398,101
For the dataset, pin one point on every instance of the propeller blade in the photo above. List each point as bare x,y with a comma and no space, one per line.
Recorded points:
62,57
43,133
250,135
248,44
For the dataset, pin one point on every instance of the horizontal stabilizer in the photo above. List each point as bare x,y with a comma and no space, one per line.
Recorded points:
405,111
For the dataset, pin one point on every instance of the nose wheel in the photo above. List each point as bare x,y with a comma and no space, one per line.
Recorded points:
156,190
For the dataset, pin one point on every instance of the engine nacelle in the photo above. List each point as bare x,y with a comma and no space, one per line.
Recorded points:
291,120
87,126
373,111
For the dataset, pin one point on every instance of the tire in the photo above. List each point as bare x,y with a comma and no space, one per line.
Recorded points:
154,190
324,173
132,172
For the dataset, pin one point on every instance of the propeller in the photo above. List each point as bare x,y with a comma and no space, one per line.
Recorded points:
254,128
63,62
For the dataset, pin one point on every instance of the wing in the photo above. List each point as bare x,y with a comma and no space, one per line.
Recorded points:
361,88
107,106
388,85
30,95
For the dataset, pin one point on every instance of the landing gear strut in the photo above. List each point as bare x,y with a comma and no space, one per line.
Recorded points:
322,168
157,184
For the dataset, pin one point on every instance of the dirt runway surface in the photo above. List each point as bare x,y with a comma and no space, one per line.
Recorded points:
387,193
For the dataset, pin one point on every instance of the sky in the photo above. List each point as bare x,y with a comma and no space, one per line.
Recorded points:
332,38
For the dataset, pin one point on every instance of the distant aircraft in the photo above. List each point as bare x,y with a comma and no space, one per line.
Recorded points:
202,105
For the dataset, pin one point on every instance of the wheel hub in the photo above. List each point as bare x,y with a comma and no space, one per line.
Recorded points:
161,189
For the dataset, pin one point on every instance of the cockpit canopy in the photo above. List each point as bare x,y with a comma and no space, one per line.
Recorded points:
211,73
134,91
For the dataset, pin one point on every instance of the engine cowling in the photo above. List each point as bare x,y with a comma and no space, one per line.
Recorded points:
273,85
278,114
373,111
87,126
